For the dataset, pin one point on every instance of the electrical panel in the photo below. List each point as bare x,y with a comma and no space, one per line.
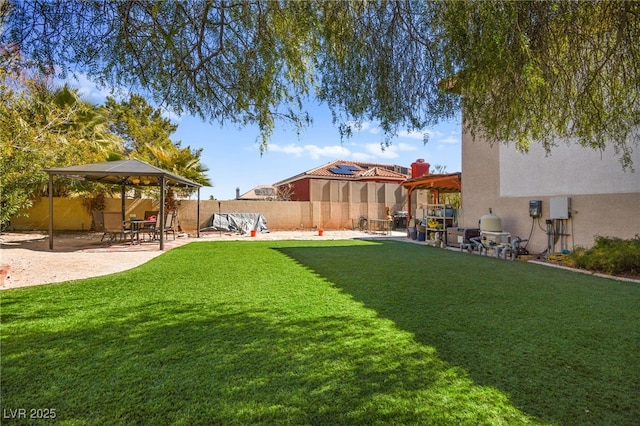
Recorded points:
560,208
535,208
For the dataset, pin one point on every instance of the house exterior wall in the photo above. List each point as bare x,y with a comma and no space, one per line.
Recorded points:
300,190
605,200
358,192
336,190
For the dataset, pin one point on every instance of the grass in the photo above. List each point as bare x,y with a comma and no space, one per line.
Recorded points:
324,332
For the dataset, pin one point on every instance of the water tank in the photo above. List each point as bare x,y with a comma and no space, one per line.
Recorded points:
419,168
490,223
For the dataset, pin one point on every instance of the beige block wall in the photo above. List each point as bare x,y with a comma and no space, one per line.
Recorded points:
279,214
614,215
72,215
283,215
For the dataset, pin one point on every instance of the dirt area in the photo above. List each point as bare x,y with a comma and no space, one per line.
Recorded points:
25,258
74,257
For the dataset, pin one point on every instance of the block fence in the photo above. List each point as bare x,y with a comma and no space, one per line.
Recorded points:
73,214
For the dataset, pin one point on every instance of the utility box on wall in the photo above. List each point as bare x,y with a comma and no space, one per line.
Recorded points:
560,208
535,208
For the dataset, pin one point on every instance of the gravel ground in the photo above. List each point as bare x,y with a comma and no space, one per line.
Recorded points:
82,255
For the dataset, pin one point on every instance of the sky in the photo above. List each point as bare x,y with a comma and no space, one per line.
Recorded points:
233,157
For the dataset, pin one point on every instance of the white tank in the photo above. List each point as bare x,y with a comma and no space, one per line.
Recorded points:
490,223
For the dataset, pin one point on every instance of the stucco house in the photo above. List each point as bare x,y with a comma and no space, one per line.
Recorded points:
557,201
315,184
260,192
349,189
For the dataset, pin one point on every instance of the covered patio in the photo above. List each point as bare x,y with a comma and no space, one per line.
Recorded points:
436,183
132,173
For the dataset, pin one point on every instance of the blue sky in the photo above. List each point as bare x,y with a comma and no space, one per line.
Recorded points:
233,157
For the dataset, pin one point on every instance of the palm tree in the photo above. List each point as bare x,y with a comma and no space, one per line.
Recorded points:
40,128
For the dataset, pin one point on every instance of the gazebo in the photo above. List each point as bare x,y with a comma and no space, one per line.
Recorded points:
124,173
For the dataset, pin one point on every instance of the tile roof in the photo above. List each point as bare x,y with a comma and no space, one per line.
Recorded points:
354,170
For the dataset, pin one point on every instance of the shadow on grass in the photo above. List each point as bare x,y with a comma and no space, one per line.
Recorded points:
176,363
563,346
238,333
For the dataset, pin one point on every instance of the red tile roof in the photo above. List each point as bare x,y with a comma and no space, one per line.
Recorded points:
353,170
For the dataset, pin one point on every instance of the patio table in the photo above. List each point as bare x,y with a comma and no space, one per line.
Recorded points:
140,225
380,225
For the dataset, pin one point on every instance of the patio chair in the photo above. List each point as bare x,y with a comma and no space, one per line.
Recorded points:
148,227
98,222
168,227
114,226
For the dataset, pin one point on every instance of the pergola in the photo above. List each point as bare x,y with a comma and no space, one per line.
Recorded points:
124,173
437,184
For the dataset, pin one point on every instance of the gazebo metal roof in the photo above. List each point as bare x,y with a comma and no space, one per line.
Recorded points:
123,172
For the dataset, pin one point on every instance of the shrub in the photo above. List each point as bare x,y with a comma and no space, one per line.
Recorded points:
609,255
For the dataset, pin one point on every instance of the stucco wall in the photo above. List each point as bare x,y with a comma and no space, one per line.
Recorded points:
500,179
73,215
339,203
300,190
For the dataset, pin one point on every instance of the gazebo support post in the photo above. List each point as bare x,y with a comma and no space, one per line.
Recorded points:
409,205
198,216
50,212
123,204
162,218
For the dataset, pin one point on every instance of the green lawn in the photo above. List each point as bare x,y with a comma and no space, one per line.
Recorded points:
324,332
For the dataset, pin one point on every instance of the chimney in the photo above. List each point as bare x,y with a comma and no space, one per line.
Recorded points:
419,168
237,193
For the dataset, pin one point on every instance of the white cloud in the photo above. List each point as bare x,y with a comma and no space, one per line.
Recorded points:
405,146
450,140
365,126
291,149
327,151
359,126
89,90
381,151
411,135
361,156
367,152
420,134
313,151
